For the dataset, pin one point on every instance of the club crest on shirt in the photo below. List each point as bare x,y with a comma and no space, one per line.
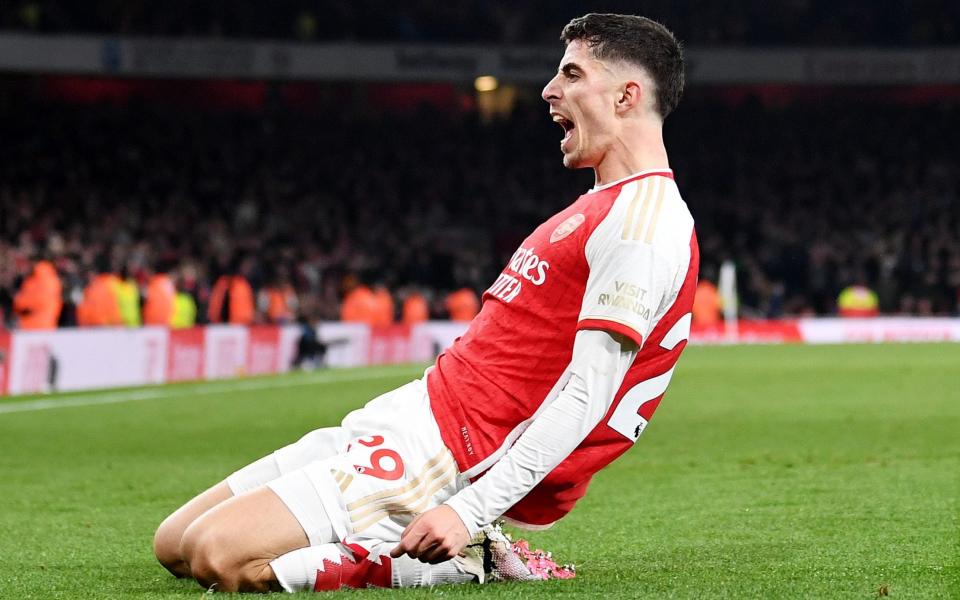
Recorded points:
566,228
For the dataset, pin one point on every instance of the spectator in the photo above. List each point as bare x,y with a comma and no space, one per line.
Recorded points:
415,307
383,307
38,303
231,300
128,299
184,311
278,300
462,305
858,301
100,306
359,304
706,304
159,306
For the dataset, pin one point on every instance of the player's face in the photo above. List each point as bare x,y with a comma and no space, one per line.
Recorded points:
582,97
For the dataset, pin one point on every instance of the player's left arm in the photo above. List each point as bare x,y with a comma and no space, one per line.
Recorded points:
600,361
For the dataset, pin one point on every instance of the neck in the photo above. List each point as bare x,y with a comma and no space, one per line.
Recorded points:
641,150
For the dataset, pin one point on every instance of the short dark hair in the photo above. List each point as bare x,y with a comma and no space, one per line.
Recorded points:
637,40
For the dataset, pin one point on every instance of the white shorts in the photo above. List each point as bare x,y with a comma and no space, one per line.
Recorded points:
366,479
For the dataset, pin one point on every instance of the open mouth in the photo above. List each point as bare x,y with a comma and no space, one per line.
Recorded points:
567,124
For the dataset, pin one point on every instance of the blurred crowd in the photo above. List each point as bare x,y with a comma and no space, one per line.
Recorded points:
813,197
317,204
283,215
741,22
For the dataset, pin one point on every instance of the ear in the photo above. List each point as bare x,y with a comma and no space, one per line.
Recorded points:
629,97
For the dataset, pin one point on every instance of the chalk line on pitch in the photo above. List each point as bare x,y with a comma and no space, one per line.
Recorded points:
201,389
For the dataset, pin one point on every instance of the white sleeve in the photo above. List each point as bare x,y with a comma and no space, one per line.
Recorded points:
600,362
629,273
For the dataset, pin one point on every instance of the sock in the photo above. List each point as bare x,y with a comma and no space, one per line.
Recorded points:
333,566
410,572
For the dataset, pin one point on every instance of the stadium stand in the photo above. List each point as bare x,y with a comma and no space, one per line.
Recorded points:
807,197
746,22
316,187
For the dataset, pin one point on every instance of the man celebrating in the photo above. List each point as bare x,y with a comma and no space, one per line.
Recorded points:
557,376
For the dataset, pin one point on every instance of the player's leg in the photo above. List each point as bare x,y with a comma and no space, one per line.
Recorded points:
491,556
330,567
230,547
253,543
166,541
282,535
317,444
394,466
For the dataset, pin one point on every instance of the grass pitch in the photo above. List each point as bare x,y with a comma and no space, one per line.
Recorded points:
768,472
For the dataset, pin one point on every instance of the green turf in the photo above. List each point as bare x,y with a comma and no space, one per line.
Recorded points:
768,472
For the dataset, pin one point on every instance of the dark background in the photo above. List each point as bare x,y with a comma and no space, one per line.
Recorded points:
808,189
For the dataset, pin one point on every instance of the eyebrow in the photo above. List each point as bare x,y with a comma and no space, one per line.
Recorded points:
569,67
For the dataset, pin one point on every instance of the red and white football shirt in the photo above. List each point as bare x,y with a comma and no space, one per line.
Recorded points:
623,258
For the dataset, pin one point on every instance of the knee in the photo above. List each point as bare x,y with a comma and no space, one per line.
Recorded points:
166,547
205,556
214,563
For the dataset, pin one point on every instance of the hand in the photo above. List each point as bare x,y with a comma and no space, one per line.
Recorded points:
434,536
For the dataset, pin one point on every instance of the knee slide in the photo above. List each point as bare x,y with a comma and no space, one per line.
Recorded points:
214,563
